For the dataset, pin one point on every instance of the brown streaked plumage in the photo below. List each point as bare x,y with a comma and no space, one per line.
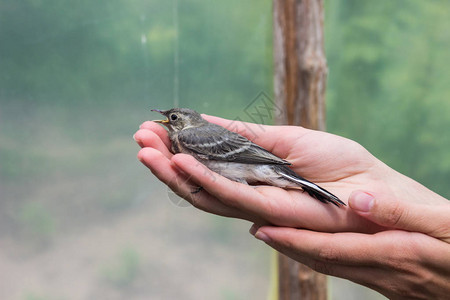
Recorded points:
232,155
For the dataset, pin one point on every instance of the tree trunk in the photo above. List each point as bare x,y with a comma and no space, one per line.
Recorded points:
300,64
299,86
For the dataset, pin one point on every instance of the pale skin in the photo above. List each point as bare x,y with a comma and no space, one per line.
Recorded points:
392,237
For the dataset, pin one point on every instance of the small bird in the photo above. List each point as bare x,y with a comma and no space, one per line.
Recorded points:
232,155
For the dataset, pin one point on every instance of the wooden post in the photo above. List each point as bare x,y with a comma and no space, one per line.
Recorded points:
299,86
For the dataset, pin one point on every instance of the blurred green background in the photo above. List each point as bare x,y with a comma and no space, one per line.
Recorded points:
80,218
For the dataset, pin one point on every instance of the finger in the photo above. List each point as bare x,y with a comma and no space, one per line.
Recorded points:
340,248
148,138
387,211
327,263
291,208
162,168
284,208
400,258
159,130
230,192
237,195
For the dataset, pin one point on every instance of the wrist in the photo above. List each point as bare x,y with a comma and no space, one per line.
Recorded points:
408,190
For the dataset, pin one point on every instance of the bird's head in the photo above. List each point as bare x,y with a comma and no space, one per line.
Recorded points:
180,118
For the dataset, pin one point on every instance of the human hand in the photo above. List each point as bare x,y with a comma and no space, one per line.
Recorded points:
338,164
409,262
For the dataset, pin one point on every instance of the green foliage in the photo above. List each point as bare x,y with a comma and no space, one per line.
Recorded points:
32,296
78,74
124,270
388,83
221,230
228,294
118,199
90,53
36,296
36,222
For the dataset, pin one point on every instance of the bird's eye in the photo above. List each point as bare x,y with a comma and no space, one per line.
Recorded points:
173,117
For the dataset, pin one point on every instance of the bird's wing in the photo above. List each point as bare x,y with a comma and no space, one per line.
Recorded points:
214,142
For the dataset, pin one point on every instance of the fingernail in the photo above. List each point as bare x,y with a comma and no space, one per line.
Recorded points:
253,229
362,201
134,137
262,236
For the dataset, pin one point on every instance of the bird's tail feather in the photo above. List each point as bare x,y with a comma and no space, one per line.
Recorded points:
311,188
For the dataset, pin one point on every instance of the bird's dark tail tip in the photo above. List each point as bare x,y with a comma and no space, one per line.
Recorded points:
325,198
311,188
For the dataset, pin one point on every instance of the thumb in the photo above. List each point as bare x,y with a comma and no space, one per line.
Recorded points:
388,211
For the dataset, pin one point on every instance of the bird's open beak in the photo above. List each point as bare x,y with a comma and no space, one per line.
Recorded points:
163,113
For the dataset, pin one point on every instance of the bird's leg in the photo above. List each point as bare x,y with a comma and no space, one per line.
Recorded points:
198,189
